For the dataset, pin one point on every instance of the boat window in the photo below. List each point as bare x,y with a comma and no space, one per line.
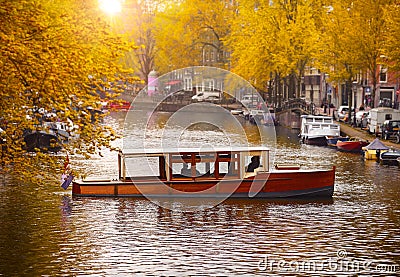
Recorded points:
228,164
252,163
334,127
181,165
328,120
204,165
308,120
204,169
318,120
191,165
255,162
325,126
151,166
316,126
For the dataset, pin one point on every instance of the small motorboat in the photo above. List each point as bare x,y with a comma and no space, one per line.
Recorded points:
41,141
390,158
352,145
373,150
332,140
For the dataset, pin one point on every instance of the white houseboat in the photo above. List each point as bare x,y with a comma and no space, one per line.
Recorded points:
315,129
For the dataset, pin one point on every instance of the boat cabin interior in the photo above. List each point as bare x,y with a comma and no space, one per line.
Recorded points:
193,164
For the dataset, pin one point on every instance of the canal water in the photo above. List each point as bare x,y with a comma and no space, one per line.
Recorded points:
46,232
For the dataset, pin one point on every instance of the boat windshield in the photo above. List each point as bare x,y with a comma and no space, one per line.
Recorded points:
195,165
203,165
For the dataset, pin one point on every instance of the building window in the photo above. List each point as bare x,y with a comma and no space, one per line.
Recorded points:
209,84
188,84
383,74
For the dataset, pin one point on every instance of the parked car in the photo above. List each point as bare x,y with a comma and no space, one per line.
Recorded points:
342,113
390,128
210,96
361,119
346,117
250,100
397,137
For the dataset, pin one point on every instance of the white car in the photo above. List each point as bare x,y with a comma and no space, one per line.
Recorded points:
250,100
361,118
210,96
341,112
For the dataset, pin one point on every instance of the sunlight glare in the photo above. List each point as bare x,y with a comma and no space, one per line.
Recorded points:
110,6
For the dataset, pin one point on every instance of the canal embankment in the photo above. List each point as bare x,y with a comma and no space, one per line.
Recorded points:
350,131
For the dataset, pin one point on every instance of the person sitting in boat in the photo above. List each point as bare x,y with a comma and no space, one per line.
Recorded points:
185,171
255,163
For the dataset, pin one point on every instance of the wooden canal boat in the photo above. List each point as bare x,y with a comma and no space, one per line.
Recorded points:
222,172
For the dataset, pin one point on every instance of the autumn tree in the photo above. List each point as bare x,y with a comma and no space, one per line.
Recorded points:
56,56
372,37
355,38
340,56
392,36
273,41
137,20
192,33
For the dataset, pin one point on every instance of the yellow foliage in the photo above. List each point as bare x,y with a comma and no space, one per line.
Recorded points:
55,56
187,31
277,38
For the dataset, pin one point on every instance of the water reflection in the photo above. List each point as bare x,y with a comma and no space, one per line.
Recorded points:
44,231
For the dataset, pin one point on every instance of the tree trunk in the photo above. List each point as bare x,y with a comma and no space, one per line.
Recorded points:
349,91
373,92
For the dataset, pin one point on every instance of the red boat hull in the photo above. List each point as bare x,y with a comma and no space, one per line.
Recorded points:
351,146
277,184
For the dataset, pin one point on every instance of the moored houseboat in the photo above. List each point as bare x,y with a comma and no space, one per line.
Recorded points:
315,129
222,172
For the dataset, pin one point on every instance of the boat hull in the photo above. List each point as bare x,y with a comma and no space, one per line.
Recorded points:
42,141
372,154
318,141
390,158
351,146
332,141
277,184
